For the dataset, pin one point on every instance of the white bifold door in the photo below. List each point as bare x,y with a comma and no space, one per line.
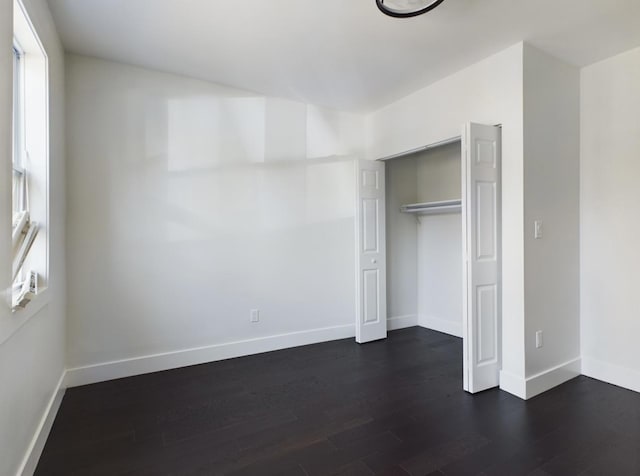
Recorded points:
371,266
481,216
481,229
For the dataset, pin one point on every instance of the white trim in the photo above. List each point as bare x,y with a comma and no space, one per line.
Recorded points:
614,374
399,155
34,451
36,80
200,355
513,384
441,325
546,380
529,387
402,322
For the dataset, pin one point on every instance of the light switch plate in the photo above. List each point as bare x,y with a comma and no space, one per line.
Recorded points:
537,227
254,315
539,339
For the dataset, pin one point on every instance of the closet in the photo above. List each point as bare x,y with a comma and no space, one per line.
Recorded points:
424,239
428,227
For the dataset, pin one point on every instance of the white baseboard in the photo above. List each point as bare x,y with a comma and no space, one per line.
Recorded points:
529,387
614,374
441,325
402,322
513,384
200,355
536,384
32,456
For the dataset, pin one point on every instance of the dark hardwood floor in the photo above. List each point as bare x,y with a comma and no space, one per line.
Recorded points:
393,407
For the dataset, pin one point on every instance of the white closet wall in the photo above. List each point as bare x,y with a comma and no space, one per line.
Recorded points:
424,254
439,242
402,243
439,173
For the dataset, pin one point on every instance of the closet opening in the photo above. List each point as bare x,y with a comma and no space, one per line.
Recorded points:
428,237
424,238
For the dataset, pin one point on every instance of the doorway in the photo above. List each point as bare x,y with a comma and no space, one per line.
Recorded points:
429,216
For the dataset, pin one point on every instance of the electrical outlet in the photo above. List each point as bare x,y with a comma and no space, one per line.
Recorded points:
539,339
254,315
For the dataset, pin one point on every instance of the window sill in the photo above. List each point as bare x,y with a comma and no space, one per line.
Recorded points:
10,324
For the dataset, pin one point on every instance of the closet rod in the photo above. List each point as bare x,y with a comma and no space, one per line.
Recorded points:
451,140
429,208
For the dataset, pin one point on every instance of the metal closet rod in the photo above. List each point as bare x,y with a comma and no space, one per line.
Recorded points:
451,140
432,208
439,203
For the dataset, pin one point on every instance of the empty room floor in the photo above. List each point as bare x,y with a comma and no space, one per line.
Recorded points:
393,407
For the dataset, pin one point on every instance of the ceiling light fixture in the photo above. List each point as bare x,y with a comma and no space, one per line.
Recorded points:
406,8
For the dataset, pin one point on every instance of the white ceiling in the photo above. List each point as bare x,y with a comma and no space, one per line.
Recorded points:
338,53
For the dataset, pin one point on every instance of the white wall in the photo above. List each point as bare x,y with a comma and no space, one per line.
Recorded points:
192,203
610,200
440,242
402,242
536,99
31,350
439,172
488,92
551,184
440,273
424,256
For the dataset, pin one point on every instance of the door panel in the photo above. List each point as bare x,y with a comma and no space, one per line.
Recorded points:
481,247
371,292
371,299
486,246
370,225
486,308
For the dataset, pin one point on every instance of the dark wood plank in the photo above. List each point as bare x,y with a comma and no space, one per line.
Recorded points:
393,407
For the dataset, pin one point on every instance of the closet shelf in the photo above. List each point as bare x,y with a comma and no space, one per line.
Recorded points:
433,208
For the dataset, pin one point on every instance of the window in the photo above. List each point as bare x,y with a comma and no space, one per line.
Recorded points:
24,230
19,200
30,162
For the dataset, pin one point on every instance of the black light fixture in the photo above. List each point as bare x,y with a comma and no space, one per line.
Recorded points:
406,8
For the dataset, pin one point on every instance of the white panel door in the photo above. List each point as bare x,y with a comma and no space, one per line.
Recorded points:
371,285
481,213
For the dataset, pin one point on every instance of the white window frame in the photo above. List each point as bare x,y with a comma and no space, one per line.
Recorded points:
30,166
19,203
18,181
